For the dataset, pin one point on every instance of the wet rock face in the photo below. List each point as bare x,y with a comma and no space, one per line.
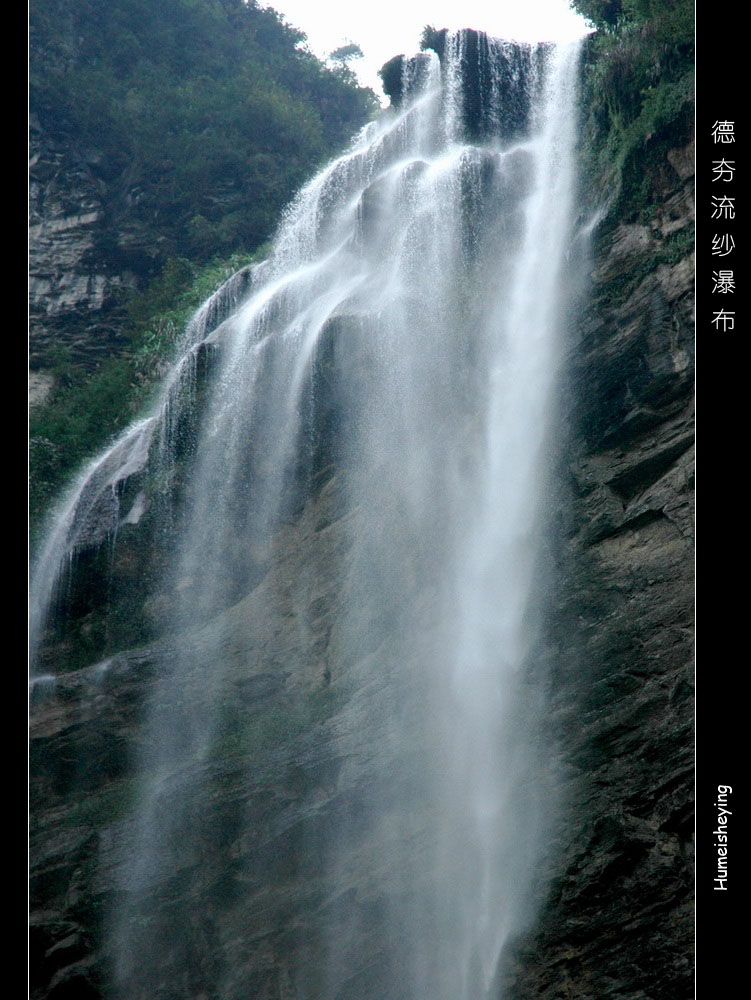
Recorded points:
254,818
496,81
618,921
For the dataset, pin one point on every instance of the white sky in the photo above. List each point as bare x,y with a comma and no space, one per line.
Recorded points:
384,28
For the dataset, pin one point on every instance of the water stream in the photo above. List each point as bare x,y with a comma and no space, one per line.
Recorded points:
400,354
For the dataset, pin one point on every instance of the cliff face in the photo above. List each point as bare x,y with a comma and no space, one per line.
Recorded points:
615,914
81,255
275,790
619,919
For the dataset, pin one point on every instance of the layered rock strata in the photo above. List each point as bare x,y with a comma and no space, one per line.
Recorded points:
618,921
82,254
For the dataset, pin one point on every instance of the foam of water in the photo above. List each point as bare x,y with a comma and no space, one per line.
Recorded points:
89,512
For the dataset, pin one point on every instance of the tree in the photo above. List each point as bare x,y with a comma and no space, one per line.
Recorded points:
601,13
342,55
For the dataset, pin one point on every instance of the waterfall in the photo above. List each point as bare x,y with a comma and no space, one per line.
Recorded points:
89,512
385,394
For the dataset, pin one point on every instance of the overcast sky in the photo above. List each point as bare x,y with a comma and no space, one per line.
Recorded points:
385,28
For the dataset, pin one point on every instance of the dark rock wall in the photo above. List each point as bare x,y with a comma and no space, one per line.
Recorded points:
238,914
617,918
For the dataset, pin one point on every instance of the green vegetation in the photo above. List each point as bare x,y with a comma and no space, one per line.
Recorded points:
199,119
638,93
341,57
609,14
86,409
201,116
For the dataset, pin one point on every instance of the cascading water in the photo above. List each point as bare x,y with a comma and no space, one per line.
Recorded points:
90,512
391,379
